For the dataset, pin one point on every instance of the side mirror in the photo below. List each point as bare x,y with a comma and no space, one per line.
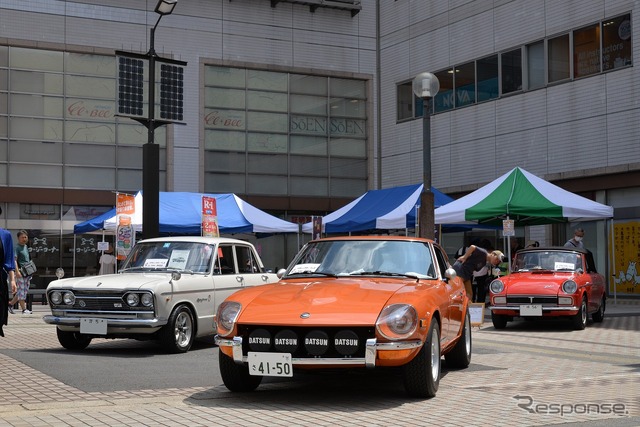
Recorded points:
281,272
450,273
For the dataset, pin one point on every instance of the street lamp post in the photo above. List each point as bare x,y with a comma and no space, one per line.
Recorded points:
426,86
151,151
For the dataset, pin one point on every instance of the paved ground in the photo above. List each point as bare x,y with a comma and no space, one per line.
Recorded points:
528,374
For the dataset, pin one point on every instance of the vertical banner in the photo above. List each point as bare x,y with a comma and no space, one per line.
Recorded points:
627,257
125,208
317,227
209,217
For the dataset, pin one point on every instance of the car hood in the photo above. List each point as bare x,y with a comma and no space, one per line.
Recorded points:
342,301
113,281
539,283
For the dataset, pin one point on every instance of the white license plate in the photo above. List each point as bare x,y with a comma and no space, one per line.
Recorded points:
531,310
270,364
89,325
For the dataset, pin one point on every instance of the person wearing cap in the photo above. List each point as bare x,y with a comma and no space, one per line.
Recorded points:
474,259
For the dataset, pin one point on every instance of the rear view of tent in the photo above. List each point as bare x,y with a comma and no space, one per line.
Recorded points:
524,198
387,209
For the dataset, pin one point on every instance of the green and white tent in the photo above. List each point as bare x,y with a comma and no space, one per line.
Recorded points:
524,198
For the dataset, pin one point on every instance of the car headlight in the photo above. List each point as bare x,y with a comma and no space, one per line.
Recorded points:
227,316
496,286
69,298
132,299
55,297
397,321
569,287
147,300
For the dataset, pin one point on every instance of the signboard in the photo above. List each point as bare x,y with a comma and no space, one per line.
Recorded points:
209,217
125,208
626,259
317,227
508,227
476,313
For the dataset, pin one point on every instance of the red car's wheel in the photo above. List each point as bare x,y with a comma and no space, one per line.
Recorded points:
580,319
598,316
499,321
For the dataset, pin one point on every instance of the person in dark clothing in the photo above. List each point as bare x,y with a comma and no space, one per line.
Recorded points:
474,259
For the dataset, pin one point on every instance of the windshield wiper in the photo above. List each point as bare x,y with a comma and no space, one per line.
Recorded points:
321,273
388,273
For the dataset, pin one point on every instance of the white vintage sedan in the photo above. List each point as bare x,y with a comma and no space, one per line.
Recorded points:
167,289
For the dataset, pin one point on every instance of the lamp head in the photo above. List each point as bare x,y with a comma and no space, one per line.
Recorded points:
425,85
165,7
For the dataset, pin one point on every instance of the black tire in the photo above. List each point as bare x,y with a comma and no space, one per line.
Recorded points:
422,375
178,334
460,356
73,340
598,316
236,377
499,321
580,318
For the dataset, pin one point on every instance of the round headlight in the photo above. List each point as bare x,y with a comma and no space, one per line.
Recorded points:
227,316
147,300
569,287
496,286
69,298
132,299
397,321
55,297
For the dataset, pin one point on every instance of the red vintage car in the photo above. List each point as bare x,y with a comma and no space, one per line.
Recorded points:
350,302
549,282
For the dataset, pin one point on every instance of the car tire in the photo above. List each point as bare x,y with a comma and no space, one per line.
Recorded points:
73,340
598,316
236,377
422,375
580,318
499,321
460,356
178,334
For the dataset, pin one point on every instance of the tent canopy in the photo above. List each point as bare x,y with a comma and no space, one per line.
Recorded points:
181,213
524,198
391,208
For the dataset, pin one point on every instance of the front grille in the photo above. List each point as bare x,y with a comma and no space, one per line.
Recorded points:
532,299
306,342
101,302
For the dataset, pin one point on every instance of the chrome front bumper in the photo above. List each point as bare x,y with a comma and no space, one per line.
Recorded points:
369,360
544,308
111,322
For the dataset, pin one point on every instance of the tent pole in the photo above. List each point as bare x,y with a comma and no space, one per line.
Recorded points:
613,263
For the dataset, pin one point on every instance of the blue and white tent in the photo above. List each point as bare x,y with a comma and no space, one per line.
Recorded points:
387,209
181,213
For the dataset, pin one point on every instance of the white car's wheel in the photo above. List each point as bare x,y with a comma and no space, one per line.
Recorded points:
73,340
178,334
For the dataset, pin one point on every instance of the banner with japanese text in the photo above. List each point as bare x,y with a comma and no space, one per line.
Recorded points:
626,257
209,217
125,208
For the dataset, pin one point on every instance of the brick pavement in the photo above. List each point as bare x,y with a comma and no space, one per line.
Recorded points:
520,376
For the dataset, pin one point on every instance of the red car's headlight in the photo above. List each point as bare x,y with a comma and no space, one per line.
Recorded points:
496,286
569,287
227,316
397,321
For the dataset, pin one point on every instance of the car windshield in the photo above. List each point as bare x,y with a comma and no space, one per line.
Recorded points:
182,256
364,257
548,260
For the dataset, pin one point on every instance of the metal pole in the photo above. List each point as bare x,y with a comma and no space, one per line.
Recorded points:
151,155
427,222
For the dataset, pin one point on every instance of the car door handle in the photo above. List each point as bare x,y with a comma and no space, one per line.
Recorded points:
240,279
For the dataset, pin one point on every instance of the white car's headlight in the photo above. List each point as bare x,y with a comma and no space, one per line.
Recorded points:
56,297
147,300
132,299
397,321
569,287
496,286
69,298
227,316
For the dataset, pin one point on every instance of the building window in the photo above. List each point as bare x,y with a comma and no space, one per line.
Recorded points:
511,67
276,133
406,102
465,83
535,65
616,43
445,98
487,69
558,59
586,51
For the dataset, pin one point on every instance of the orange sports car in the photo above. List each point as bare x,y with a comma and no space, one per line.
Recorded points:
350,302
550,282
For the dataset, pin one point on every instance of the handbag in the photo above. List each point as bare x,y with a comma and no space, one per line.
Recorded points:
28,269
